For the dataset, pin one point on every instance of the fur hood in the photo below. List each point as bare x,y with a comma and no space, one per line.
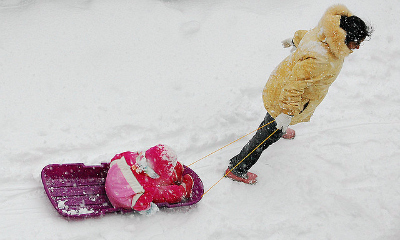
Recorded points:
330,31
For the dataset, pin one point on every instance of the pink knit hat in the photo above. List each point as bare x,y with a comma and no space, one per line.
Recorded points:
162,159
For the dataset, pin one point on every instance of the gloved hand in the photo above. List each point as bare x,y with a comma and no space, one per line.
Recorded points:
287,43
151,211
283,121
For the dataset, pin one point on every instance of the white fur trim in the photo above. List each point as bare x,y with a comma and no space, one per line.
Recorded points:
144,165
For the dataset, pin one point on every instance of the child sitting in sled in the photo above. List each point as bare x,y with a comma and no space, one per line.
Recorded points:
139,180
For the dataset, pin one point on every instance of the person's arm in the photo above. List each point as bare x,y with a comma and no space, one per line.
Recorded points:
302,76
294,42
298,36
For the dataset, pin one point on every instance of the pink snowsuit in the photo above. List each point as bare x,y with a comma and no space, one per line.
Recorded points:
130,185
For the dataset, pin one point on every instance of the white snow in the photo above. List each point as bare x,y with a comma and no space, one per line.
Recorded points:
316,47
83,80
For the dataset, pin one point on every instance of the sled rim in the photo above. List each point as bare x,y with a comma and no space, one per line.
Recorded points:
60,179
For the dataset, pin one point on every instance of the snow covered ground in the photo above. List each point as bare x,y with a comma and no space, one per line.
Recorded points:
82,80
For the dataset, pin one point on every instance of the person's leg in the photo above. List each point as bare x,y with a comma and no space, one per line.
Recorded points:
242,168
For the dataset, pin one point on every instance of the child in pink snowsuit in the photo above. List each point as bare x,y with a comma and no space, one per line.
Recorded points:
137,180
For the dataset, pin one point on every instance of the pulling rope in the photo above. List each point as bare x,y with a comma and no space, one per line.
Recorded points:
239,163
241,160
230,143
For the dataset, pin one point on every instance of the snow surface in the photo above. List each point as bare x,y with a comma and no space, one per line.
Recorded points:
82,80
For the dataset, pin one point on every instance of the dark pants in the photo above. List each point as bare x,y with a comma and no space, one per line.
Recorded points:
261,134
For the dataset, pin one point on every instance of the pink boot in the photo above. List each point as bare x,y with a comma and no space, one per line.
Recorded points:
290,134
250,179
187,184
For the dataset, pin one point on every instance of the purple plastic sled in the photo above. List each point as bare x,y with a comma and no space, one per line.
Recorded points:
77,190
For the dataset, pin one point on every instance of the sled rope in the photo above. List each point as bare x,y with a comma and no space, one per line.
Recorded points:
231,144
241,160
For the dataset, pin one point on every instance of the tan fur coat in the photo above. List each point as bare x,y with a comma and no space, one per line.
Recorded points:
301,81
